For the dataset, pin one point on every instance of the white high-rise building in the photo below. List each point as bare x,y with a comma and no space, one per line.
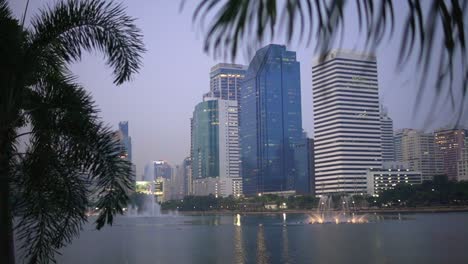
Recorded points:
347,123
388,146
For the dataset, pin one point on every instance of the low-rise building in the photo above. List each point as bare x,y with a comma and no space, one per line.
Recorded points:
391,174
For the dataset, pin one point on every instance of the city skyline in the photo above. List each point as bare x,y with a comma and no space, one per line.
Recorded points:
160,128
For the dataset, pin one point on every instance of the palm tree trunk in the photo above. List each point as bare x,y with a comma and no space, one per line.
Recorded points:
7,253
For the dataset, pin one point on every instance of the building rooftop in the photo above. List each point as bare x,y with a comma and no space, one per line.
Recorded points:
343,53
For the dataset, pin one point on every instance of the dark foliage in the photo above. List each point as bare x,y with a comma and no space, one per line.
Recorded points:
429,193
207,203
69,155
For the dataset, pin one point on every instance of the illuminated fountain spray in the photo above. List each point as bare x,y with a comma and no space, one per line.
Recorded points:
329,212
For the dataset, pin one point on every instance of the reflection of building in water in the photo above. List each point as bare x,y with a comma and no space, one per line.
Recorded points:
262,252
239,251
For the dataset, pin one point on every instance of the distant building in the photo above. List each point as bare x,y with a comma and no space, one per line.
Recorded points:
225,81
450,144
311,168
388,144
215,145
271,122
347,123
418,150
391,174
187,174
125,138
158,169
462,164
207,186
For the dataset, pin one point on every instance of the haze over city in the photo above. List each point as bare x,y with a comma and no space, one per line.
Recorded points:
160,100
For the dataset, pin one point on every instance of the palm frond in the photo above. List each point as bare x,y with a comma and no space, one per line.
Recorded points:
5,12
69,149
75,25
111,173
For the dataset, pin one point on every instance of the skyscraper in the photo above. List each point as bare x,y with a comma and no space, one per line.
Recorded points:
215,144
158,169
271,122
388,144
418,150
346,121
125,138
450,143
225,81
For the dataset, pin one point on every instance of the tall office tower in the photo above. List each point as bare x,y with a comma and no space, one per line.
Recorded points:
346,121
388,144
418,150
126,139
215,145
450,143
158,169
271,122
225,81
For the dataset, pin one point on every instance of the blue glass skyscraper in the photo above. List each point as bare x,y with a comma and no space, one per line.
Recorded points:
272,155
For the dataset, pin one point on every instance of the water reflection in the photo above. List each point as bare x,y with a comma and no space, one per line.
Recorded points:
237,220
239,250
285,252
262,252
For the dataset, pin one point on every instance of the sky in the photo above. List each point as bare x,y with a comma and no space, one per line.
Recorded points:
159,101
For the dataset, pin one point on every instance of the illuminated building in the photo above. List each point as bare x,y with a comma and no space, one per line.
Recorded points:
391,174
225,81
450,143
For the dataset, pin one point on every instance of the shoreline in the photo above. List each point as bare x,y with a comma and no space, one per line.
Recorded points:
406,210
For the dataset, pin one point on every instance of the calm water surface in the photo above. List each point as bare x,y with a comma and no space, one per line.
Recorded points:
416,238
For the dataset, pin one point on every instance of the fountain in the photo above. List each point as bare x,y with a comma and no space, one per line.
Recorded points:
150,207
340,212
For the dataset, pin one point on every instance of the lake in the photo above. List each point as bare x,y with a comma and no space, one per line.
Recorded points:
274,238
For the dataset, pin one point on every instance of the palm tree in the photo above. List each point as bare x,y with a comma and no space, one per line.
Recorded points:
52,143
245,22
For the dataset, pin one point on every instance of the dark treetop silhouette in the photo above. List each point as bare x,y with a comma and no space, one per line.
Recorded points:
238,23
45,185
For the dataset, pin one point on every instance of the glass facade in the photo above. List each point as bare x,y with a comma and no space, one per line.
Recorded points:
205,148
271,122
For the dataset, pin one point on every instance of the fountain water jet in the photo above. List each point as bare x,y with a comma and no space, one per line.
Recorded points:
328,212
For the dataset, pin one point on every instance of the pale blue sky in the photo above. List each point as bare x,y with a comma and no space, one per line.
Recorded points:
159,101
